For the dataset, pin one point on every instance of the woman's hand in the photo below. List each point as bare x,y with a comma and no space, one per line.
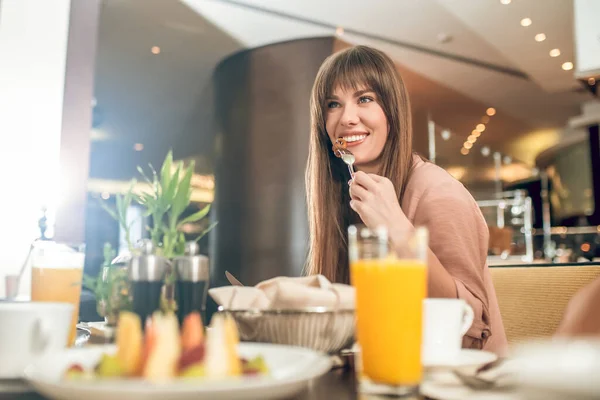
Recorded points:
374,199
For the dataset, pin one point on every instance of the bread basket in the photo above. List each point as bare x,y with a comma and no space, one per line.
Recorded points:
318,328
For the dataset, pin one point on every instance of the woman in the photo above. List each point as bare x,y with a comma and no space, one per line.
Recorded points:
358,95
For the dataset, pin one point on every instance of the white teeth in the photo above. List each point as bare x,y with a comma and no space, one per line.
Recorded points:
355,138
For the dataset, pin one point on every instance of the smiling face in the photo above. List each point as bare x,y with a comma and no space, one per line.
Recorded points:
357,117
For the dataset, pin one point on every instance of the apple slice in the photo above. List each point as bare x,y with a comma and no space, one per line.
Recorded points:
129,342
221,349
192,331
192,356
164,354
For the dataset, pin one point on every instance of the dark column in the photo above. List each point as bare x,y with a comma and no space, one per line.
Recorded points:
262,103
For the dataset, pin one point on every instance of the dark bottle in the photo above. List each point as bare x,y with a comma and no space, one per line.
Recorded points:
192,282
146,275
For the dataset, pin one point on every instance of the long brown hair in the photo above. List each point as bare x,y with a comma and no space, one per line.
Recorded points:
329,212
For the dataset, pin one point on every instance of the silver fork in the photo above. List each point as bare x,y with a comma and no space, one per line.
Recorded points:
348,158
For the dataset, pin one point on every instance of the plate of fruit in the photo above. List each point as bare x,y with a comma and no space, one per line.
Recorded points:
165,360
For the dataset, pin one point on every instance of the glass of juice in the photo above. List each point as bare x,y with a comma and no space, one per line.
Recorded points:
56,276
391,284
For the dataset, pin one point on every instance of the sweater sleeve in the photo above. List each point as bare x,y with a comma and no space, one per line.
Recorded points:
458,237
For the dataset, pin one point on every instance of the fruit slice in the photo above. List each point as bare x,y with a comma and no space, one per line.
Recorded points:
129,342
148,345
232,340
190,357
164,355
194,371
222,359
110,367
192,331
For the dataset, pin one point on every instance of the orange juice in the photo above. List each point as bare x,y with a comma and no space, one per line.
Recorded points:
58,285
389,303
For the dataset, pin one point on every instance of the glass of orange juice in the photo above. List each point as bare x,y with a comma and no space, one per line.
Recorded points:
56,276
391,284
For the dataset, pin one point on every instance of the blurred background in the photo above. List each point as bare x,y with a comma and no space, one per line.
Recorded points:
503,93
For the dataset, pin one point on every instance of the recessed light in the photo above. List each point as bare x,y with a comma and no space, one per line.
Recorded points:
485,151
446,134
480,127
138,147
505,2
540,37
526,22
467,145
155,50
491,111
339,31
105,195
592,81
554,53
567,66
471,139
476,133
464,152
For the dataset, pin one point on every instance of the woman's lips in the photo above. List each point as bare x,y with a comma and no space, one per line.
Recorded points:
355,140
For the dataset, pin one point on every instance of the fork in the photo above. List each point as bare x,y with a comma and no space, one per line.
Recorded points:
348,158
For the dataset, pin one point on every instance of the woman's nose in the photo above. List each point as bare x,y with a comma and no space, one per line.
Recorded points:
349,116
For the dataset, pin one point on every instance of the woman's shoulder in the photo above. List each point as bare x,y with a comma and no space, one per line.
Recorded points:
425,175
428,182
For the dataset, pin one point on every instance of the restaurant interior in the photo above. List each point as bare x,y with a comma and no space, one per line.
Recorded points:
97,95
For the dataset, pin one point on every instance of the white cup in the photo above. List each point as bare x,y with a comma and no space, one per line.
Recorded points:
29,330
445,322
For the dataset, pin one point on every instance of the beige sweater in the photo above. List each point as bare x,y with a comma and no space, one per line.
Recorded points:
459,239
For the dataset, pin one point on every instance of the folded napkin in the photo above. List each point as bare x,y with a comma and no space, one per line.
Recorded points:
286,293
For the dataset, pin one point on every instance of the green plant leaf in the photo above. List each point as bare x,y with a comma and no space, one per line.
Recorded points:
197,216
170,191
165,171
141,171
210,228
183,196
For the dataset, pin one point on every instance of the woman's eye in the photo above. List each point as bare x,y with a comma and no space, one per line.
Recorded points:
365,99
333,104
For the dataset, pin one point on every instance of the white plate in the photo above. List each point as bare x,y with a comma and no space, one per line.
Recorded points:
467,358
291,368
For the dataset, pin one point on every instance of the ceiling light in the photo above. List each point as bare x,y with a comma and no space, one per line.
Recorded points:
476,133
471,139
485,119
480,127
540,37
138,147
105,195
155,50
467,145
554,53
526,22
592,81
485,151
464,151
491,111
446,134
339,31
567,66
505,2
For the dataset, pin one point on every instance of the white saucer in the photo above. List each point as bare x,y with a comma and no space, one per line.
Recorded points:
467,358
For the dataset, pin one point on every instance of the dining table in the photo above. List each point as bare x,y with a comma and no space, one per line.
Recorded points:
337,384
